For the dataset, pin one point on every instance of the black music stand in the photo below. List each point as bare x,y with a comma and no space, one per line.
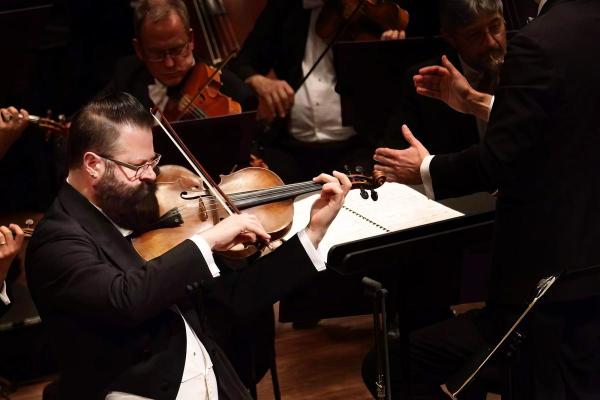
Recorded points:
378,294
370,75
221,144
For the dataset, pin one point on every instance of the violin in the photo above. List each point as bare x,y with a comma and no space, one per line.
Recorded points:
186,208
201,96
359,19
49,125
190,203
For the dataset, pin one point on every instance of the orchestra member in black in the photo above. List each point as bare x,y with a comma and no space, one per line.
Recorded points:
164,58
476,35
537,154
123,326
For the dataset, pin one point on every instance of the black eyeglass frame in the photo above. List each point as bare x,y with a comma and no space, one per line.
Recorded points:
138,169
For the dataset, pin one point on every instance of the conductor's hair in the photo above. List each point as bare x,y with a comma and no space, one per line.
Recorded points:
95,127
459,13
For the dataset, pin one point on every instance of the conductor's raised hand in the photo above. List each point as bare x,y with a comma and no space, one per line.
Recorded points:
403,166
233,230
444,83
326,207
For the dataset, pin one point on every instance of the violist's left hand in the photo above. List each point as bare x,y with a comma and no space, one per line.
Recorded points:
326,207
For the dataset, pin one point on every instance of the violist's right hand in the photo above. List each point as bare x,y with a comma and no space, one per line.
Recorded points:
233,230
11,241
275,97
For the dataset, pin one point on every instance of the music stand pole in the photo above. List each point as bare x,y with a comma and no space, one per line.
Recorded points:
378,294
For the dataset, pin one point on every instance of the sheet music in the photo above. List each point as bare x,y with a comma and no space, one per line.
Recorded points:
399,207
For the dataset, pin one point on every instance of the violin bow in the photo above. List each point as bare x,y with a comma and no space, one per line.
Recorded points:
333,41
195,164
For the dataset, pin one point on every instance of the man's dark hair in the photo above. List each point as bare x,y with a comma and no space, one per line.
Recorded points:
459,13
95,127
157,10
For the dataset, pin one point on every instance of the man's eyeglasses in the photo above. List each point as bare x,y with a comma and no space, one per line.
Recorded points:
139,169
174,52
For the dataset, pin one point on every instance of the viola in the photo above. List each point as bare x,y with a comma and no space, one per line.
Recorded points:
50,126
201,97
186,208
352,20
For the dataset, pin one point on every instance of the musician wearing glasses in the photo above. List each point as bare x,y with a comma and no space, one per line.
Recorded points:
164,57
123,327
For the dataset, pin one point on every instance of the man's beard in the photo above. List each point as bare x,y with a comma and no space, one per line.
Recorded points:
133,208
493,61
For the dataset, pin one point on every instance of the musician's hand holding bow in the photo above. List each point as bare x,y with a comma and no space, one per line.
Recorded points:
12,123
447,84
11,241
233,230
403,166
326,207
276,97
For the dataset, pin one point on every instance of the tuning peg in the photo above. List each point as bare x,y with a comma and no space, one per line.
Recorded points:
347,169
364,194
29,223
359,169
374,195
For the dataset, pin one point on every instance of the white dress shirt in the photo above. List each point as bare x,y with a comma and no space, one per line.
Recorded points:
317,112
3,295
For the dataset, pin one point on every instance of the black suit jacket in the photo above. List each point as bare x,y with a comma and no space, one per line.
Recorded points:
132,76
437,126
111,315
541,153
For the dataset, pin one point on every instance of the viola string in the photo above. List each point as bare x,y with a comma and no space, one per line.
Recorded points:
210,201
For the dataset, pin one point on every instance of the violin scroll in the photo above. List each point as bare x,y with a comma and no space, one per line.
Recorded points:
366,182
60,126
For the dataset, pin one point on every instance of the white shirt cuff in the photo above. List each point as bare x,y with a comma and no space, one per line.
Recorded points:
492,103
312,252
3,296
426,177
207,254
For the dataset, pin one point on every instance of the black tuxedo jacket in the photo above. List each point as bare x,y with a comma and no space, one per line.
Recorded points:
541,152
437,126
132,76
111,315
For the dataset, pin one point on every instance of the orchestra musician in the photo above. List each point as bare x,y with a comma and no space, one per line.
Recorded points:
540,145
309,135
164,58
122,327
476,34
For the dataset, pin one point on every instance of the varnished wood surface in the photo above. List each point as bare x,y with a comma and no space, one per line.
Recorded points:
317,363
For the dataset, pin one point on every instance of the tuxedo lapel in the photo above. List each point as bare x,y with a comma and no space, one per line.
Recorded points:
111,242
